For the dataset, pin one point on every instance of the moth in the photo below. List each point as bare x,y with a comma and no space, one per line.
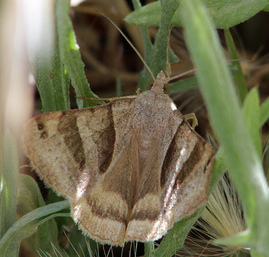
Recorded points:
130,168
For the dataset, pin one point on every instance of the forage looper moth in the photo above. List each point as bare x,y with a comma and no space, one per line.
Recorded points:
130,168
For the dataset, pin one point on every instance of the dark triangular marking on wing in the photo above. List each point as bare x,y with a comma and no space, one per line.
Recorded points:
68,128
105,140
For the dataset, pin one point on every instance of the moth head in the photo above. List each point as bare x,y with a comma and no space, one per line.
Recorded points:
160,82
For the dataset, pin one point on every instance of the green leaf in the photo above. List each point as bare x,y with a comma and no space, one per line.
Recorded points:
266,8
241,239
264,112
238,76
148,15
183,85
70,55
176,236
225,14
251,110
219,169
29,195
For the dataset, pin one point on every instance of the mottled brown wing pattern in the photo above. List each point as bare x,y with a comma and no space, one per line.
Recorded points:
73,150
130,168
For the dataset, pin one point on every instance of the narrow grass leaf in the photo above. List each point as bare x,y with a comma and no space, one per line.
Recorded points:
251,110
70,55
238,76
264,112
183,85
227,119
49,72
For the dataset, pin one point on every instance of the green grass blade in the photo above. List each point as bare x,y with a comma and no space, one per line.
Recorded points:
49,72
52,81
227,119
251,110
183,85
238,76
27,224
264,112
70,55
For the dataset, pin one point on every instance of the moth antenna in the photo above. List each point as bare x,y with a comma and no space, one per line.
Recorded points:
183,74
168,66
131,44
108,99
